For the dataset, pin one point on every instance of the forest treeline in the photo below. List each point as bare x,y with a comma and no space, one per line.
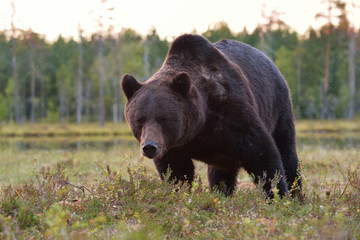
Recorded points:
71,80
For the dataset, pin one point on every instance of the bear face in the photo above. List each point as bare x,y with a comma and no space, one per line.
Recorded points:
159,112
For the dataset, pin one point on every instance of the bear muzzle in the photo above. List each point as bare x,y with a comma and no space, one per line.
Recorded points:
150,149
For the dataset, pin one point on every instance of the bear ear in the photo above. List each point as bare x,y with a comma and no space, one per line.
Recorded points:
181,83
129,85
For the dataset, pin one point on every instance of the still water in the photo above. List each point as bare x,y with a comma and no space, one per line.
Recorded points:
340,140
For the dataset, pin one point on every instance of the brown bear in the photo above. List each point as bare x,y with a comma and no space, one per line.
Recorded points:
225,104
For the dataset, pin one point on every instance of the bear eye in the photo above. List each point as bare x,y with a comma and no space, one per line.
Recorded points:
140,121
161,119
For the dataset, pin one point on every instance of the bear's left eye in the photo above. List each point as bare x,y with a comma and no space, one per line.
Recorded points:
161,119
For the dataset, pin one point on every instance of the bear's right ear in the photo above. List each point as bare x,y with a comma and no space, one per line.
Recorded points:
129,85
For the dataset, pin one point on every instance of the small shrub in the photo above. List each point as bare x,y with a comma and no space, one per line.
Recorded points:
27,218
56,219
93,208
10,206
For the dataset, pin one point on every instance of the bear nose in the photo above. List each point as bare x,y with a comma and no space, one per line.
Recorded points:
149,149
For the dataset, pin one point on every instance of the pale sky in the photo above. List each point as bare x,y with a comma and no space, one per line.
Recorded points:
169,17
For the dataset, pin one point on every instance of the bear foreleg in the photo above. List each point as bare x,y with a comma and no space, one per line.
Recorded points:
181,167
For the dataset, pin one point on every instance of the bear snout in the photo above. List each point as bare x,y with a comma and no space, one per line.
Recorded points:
150,149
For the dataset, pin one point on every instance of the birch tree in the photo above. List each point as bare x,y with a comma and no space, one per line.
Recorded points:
14,66
79,89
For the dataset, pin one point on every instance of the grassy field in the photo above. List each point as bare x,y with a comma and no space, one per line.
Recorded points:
86,182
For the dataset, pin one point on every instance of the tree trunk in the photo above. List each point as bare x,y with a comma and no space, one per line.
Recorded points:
16,82
117,113
298,82
87,102
146,59
120,72
79,98
351,58
324,108
101,83
62,100
32,81
325,83
42,106
14,68
115,84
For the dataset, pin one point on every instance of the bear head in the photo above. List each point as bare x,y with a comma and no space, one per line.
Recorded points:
163,112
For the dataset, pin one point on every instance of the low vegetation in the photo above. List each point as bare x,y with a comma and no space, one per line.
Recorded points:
58,130
115,194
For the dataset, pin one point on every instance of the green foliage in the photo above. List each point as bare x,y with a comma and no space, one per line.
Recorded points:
286,62
27,218
219,32
55,222
301,59
157,50
10,206
93,209
5,64
4,107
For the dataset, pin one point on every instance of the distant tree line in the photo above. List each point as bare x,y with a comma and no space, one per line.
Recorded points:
78,80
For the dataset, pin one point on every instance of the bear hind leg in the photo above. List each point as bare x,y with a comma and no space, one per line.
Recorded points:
284,136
